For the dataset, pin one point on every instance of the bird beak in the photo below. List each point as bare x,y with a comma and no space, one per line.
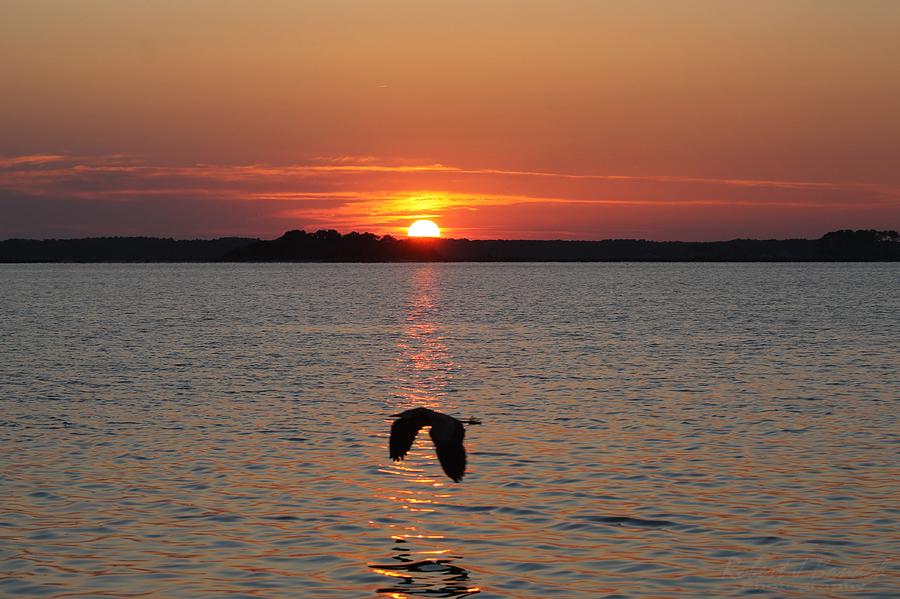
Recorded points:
396,415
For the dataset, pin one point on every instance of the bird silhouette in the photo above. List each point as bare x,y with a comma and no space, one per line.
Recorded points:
447,433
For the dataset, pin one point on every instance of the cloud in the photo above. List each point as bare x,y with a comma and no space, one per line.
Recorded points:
29,160
363,193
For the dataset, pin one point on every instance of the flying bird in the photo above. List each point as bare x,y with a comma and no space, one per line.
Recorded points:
447,433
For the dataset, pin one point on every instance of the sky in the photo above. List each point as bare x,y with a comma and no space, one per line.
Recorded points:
525,119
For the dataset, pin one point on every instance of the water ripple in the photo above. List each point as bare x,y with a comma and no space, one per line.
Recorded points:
649,430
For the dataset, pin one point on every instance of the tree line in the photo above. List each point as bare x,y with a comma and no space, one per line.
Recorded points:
332,246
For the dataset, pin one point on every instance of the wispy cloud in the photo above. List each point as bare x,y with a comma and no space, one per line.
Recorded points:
29,160
60,164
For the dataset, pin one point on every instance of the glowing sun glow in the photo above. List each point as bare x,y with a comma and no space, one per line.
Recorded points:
423,228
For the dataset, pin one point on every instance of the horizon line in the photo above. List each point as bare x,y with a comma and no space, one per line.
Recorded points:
436,239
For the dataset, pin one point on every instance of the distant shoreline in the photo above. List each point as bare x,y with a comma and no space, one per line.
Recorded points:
862,245
223,262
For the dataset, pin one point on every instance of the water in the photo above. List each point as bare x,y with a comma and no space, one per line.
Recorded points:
649,430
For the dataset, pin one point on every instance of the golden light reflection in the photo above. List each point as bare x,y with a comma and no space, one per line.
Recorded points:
421,562
389,573
425,365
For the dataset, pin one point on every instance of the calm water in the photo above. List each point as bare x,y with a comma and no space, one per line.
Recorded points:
650,430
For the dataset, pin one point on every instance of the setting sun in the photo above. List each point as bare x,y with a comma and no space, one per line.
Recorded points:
423,228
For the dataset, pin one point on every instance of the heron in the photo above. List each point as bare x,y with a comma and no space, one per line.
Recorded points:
447,433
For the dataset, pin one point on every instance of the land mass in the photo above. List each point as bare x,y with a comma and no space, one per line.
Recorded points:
331,246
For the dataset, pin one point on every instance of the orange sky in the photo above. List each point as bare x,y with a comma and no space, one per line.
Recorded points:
697,119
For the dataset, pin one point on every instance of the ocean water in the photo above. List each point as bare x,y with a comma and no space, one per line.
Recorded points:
649,430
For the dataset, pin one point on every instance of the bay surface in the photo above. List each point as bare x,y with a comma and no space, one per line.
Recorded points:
210,430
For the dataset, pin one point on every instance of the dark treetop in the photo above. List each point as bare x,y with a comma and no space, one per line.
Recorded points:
331,246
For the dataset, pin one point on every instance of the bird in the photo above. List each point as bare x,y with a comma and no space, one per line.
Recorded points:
447,433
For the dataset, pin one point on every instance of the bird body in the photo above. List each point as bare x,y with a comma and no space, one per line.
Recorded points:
447,434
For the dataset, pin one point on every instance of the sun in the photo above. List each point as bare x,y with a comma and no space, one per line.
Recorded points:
423,228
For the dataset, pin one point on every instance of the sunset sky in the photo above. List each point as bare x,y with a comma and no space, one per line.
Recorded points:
574,119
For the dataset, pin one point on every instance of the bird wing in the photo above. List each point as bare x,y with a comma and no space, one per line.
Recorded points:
450,450
403,433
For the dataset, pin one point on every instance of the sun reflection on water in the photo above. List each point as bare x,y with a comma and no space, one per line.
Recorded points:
425,365
420,562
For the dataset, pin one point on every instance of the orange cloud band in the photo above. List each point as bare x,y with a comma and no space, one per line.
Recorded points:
358,193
